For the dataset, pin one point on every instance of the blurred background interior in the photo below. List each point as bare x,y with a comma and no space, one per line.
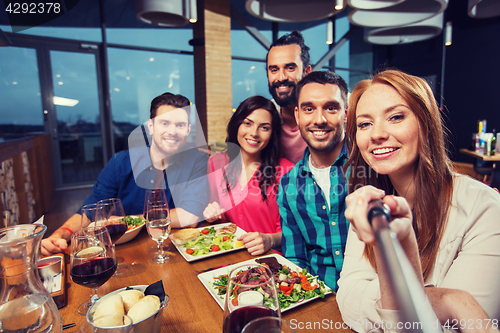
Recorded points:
80,83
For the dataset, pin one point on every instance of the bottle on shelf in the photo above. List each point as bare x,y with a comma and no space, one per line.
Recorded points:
493,142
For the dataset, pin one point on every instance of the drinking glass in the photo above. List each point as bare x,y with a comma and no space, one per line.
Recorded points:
93,260
158,225
110,214
251,293
155,195
88,214
97,325
268,325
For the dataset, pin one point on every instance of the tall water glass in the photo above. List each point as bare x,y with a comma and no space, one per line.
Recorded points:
157,195
158,225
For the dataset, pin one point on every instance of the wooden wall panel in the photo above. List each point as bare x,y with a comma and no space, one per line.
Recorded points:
212,64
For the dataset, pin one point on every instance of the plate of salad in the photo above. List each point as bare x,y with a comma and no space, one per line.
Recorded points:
211,241
295,286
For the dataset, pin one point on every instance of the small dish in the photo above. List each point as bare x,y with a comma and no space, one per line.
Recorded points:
130,234
49,266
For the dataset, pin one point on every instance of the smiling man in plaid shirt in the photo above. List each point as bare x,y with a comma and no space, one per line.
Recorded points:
312,195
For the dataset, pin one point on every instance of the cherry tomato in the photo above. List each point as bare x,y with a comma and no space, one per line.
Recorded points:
214,248
235,301
205,231
286,289
189,251
226,238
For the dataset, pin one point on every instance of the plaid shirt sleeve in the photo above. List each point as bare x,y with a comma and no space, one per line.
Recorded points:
292,243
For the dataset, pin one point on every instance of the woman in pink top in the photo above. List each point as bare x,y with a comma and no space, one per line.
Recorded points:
244,180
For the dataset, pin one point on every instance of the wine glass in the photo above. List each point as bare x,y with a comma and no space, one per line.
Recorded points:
158,225
251,293
93,260
268,325
155,195
102,324
110,214
88,214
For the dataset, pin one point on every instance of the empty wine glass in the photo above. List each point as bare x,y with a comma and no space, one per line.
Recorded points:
110,214
112,323
158,225
251,293
155,195
88,214
93,260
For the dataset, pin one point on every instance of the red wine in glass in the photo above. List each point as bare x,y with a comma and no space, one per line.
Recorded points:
116,231
93,260
110,214
94,272
236,320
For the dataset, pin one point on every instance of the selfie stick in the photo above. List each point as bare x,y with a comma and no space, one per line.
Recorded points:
417,314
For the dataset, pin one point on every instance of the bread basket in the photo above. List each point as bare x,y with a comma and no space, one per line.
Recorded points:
151,324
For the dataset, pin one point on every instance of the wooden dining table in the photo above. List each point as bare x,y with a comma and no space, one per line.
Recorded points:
191,307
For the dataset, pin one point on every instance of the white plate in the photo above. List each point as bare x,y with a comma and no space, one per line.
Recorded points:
208,277
188,257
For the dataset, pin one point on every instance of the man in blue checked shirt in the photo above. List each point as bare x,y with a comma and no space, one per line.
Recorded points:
311,197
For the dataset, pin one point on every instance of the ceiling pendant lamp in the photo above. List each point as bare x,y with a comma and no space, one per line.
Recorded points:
372,4
329,31
166,13
405,34
483,8
448,33
294,10
404,13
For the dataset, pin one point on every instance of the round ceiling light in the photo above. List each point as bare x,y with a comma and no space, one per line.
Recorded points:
294,10
372,4
484,8
172,13
404,13
405,34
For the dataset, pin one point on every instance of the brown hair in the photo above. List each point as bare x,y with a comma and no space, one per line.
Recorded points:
433,176
167,98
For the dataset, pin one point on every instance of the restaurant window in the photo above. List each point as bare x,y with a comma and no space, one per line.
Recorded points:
249,79
136,77
21,106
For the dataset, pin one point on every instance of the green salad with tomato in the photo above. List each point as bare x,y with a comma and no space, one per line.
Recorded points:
292,286
208,242
133,221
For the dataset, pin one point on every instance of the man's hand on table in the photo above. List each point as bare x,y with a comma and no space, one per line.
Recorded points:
53,245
